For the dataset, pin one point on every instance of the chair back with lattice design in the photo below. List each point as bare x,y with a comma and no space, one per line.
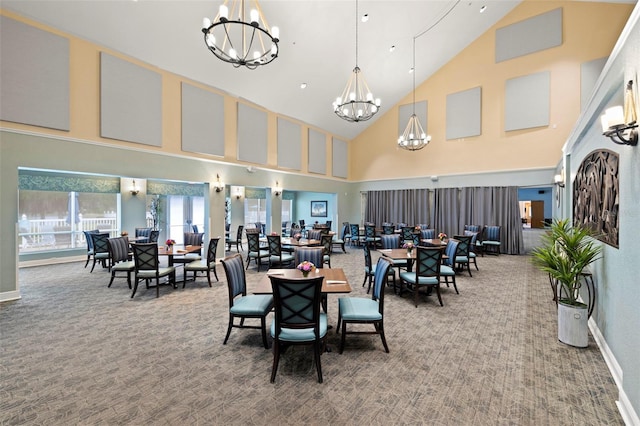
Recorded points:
212,248
296,303
153,236
370,231
355,231
325,241
253,241
428,260
407,233
275,245
464,245
388,229
367,256
145,256
100,243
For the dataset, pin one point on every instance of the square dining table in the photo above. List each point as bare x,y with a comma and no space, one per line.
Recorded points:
335,281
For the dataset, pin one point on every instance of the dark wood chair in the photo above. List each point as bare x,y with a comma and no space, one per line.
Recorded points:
237,241
120,259
255,252
204,265
276,256
100,249
426,274
148,267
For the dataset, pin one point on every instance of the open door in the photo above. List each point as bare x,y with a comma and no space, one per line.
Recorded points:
537,214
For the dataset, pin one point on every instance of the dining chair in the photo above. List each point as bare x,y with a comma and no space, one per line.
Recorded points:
153,236
370,269
447,269
344,235
326,243
393,242
310,254
370,235
407,233
148,267
255,252
237,241
355,234
491,241
426,273
472,247
89,240
360,310
479,229
143,232
242,305
388,229
276,256
303,229
314,234
204,265
190,239
462,253
100,249
427,234
120,259
298,319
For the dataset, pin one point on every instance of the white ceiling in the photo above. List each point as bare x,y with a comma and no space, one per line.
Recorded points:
317,45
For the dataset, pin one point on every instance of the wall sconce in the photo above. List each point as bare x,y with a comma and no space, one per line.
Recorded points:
277,190
134,189
218,185
238,193
559,180
620,124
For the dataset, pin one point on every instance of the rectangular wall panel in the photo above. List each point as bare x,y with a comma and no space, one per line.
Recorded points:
405,111
252,134
202,121
289,144
340,153
531,35
589,73
527,101
130,102
317,152
464,116
34,76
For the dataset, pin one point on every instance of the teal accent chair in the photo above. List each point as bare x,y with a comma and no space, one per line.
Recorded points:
204,265
447,269
120,259
426,273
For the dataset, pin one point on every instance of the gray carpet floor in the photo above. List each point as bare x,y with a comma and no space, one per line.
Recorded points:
73,351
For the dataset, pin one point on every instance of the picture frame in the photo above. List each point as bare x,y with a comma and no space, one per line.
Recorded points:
318,209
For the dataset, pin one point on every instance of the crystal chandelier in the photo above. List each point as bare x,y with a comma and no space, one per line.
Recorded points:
414,137
356,102
242,42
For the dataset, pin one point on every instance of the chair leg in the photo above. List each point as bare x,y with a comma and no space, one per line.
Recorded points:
344,335
87,262
228,329
94,264
215,273
129,279
263,323
438,293
380,329
135,287
113,275
469,268
317,353
276,360
416,294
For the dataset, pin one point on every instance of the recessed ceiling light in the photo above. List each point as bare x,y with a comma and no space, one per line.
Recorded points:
365,17
483,8
303,85
392,48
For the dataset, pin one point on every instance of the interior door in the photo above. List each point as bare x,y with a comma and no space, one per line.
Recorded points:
537,214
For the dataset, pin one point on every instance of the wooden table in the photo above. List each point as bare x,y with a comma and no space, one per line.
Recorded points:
400,254
177,250
335,281
286,241
434,242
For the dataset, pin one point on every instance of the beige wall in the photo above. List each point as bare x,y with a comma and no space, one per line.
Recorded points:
585,38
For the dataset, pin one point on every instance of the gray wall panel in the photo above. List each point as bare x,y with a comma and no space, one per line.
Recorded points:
130,102
531,35
340,153
464,117
527,101
589,73
252,134
34,76
405,111
289,144
317,152
202,121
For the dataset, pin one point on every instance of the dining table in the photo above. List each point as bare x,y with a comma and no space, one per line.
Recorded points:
400,254
293,242
177,250
335,281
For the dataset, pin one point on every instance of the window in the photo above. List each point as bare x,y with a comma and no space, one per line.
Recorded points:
255,210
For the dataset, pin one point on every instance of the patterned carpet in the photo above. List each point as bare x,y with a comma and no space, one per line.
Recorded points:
76,352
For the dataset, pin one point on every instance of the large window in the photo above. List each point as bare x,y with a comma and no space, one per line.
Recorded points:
54,220
255,210
184,213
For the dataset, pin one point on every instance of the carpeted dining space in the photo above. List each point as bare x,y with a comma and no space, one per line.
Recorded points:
76,352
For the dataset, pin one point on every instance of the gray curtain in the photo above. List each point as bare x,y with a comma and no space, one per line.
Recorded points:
451,209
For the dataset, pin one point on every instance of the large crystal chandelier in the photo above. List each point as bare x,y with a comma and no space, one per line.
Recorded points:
414,137
356,102
241,41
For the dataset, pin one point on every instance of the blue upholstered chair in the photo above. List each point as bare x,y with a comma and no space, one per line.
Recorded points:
426,273
120,259
355,234
447,269
242,305
310,254
89,240
100,249
255,252
358,310
462,253
491,241
407,233
298,319
190,239
343,237
393,242
371,238
370,269
142,235
276,256
204,265
479,230
427,234
148,267
237,241
472,247
327,244
314,234
388,229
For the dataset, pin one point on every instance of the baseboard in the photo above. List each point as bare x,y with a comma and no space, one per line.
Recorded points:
9,295
51,261
627,412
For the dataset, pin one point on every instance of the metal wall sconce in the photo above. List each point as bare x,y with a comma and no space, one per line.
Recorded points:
277,190
218,185
238,193
559,180
134,189
620,124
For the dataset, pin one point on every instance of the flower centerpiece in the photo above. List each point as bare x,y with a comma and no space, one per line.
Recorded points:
409,246
442,236
297,236
306,267
170,243
124,234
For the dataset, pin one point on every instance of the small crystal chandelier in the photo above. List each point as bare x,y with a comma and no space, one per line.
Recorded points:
356,102
241,42
414,137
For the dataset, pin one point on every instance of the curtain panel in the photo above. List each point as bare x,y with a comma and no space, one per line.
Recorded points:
449,209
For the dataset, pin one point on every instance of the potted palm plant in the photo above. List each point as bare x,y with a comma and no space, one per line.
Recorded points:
565,252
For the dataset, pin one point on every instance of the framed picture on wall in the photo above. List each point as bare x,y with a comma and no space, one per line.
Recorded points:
318,209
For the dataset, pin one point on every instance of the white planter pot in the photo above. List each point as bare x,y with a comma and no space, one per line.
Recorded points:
572,325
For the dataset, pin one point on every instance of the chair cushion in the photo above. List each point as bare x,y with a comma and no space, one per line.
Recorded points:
198,265
102,255
300,335
447,270
253,304
411,278
124,266
263,253
491,243
462,259
284,258
472,254
152,273
358,308
400,263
